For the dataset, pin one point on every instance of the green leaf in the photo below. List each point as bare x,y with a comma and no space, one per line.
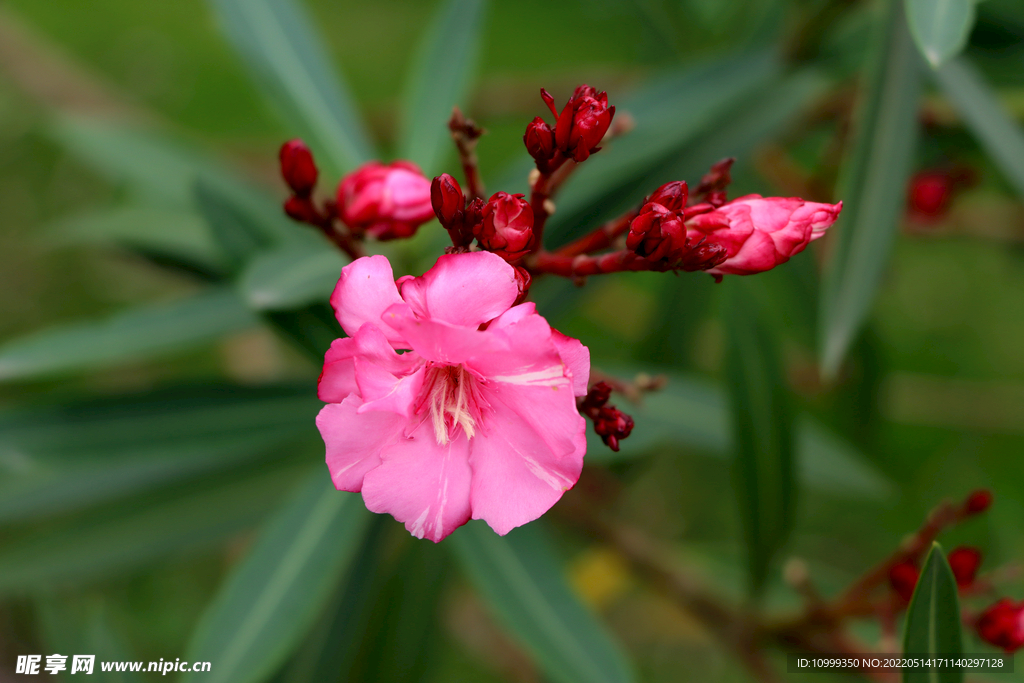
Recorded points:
933,621
872,188
274,595
286,58
986,118
290,277
59,458
690,413
940,27
441,73
114,539
175,233
77,624
521,581
133,335
310,329
762,427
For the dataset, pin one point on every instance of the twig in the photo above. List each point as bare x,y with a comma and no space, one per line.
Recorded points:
601,238
466,133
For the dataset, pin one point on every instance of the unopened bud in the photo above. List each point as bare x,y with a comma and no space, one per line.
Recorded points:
507,225
715,182
583,122
978,502
671,195
447,200
301,209
657,234
903,579
964,562
540,140
297,167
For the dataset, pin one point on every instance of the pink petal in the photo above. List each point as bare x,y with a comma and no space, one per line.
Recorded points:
422,484
339,378
383,391
354,441
576,357
463,289
520,353
438,341
364,291
517,476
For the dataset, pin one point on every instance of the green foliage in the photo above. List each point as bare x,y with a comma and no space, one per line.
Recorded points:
933,621
940,27
522,583
872,189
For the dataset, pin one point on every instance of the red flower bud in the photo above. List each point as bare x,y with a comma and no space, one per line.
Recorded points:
583,122
714,183
447,200
964,562
929,194
610,423
523,280
539,140
386,201
672,196
297,167
301,209
1002,625
978,502
903,579
657,234
507,226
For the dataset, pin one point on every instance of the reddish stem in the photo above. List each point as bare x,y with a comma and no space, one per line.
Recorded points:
582,265
466,133
601,238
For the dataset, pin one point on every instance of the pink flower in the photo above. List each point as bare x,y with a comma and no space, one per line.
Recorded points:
759,233
388,202
477,419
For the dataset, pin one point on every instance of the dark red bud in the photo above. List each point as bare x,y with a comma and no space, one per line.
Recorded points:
978,502
703,256
550,101
657,234
523,280
506,227
301,209
583,123
297,167
540,140
447,200
610,423
929,194
714,183
1002,625
672,195
964,562
903,579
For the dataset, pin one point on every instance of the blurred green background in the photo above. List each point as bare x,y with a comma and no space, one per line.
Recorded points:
126,498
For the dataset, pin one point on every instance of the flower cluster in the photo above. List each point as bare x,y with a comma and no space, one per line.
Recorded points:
452,399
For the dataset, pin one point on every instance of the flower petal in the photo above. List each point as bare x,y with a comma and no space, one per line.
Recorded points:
438,341
339,378
463,289
382,390
422,484
576,357
364,291
354,441
517,476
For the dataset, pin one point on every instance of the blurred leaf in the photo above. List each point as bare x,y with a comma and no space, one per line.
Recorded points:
76,624
933,621
59,458
997,132
691,414
286,58
153,230
873,189
310,329
272,597
116,538
441,73
940,27
668,113
290,277
520,579
239,237
762,427
138,333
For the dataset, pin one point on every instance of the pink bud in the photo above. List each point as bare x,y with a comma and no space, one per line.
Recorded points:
1002,625
759,233
507,226
297,167
583,122
388,202
540,140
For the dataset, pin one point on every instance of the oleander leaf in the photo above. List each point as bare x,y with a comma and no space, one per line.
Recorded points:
940,27
271,599
933,621
291,277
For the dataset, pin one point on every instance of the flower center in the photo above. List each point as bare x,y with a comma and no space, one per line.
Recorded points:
452,395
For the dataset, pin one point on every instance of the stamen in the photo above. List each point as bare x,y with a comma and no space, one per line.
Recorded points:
451,398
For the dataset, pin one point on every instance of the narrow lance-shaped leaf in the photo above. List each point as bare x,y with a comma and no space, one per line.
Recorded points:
940,27
133,335
440,75
272,598
933,622
1000,135
762,427
519,578
291,276
872,189
285,56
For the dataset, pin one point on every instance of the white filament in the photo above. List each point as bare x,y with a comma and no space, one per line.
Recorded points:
450,398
